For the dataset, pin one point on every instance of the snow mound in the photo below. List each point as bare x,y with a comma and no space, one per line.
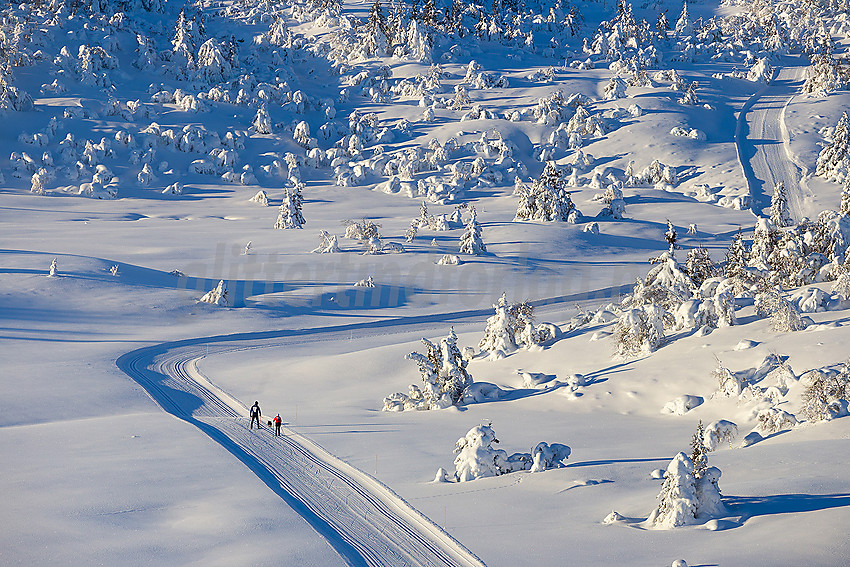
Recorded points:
682,405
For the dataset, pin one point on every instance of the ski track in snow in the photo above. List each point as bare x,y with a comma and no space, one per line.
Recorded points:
764,144
362,519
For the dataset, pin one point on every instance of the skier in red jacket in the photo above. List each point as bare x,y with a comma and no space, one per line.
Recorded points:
276,422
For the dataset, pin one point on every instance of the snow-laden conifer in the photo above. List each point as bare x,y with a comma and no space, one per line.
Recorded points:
444,376
289,214
471,242
780,213
262,122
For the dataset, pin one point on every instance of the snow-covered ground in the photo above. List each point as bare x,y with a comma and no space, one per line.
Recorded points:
124,422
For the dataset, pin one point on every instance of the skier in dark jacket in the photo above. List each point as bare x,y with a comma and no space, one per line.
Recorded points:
255,415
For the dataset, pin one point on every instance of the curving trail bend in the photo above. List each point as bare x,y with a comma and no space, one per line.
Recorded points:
363,520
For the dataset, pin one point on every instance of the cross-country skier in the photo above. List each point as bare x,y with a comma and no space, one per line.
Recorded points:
255,415
276,422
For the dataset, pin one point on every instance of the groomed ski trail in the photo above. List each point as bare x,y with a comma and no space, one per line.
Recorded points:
764,145
362,519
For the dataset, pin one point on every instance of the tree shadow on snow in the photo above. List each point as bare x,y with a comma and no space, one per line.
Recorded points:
743,508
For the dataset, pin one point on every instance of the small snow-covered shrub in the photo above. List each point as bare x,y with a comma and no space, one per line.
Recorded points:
717,432
261,198
728,383
783,314
810,300
175,188
477,458
826,394
761,71
328,243
363,231
639,330
449,260
682,404
217,295
773,420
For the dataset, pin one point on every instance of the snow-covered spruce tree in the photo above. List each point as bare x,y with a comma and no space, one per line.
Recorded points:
684,27
677,501
699,265
690,491
213,66
187,36
499,334
699,455
736,256
834,160
765,241
297,197
471,242
547,199
217,295
824,75
54,269
289,215
780,214
666,285
262,122
376,40
671,236
443,371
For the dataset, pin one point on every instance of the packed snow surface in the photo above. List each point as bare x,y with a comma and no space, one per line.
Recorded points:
621,230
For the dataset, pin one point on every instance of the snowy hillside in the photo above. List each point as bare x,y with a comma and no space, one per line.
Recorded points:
562,282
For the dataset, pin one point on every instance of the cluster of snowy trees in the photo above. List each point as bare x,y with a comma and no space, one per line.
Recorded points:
443,368
477,458
834,160
701,292
773,388
511,327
